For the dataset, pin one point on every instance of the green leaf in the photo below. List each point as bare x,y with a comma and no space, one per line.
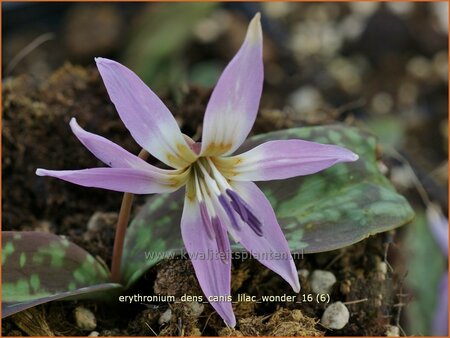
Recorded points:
325,211
156,49
426,266
39,267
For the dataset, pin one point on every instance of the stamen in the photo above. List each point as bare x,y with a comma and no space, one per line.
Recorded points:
206,220
241,208
218,177
220,238
255,225
209,181
229,211
207,199
244,210
213,181
197,188
219,190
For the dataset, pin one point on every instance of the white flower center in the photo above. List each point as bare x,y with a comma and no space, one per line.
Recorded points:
217,201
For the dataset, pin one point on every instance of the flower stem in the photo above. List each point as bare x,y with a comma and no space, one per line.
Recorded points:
121,228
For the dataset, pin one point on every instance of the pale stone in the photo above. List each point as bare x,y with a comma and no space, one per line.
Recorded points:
336,316
322,281
392,331
165,317
85,319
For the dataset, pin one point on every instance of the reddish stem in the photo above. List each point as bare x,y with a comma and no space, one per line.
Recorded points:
121,228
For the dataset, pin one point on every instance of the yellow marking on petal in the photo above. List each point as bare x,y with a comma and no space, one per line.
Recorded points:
226,165
183,158
215,149
177,180
236,160
186,153
176,161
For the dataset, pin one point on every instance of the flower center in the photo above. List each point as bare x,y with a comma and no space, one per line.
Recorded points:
215,196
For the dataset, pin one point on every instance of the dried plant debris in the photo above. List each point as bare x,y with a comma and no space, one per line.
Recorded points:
283,322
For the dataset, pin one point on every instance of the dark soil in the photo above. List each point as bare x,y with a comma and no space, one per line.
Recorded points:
36,134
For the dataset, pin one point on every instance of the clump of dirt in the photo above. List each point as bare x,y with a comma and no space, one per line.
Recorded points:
36,134
176,278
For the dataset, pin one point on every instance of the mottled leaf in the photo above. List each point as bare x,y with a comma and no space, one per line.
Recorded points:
320,212
39,267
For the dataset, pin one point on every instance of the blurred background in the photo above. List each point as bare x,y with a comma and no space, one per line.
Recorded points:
382,66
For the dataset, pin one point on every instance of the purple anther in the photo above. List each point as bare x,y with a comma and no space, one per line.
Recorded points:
206,220
255,225
229,211
220,237
243,209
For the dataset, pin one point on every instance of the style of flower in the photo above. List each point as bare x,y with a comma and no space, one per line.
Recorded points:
220,196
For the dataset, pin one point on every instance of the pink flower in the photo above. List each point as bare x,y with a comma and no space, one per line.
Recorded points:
220,196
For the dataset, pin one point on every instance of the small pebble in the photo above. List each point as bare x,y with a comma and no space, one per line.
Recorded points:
322,281
165,317
392,331
382,103
303,273
382,267
336,316
346,286
195,309
306,99
277,10
94,334
85,319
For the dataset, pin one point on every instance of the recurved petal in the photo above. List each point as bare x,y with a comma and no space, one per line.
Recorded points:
136,181
108,152
439,324
271,249
147,118
233,105
438,225
282,159
213,273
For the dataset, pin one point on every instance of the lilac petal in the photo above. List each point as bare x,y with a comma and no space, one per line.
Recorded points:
271,249
147,118
440,317
438,225
108,152
282,159
233,105
213,273
136,181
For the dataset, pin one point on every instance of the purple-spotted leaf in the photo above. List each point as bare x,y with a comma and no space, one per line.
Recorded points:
325,211
39,267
